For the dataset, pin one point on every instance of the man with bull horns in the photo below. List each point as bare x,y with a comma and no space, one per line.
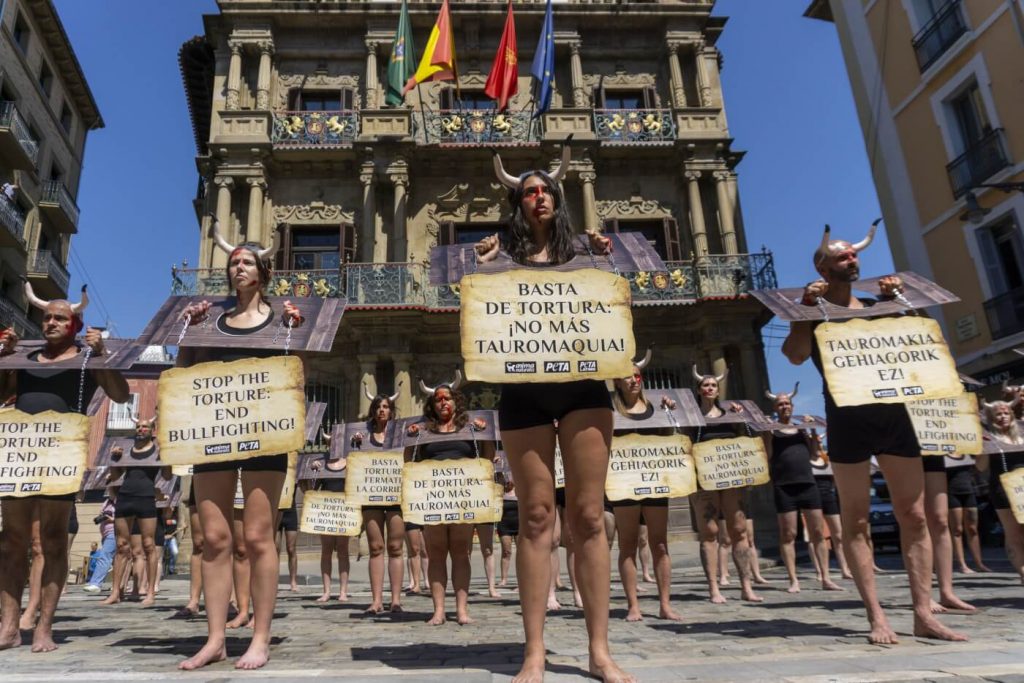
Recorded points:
790,452
855,433
40,390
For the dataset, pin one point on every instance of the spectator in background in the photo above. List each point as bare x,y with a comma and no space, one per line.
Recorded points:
108,545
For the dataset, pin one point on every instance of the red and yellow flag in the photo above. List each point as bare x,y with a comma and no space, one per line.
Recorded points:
503,81
438,63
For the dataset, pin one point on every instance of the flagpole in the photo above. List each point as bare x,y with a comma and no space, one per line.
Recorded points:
426,128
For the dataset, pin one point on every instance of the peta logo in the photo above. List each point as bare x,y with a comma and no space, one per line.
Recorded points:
31,487
556,366
586,366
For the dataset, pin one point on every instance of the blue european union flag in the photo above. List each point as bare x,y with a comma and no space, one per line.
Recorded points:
543,70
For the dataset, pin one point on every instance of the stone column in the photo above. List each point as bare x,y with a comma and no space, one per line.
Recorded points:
254,222
403,384
678,91
718,367
703,83
579,91
399,175
372,80
263,79
712,78
367,378
590,217
750,371
234,75
224,186
700,235
726,212
369,247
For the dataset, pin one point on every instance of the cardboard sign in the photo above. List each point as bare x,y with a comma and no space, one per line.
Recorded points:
539,325
685,414
559,468
321,318
329,514
648,466
44,454
375,477
288,488
887,360
481,425
182,470
120,355
947,425
1013,485
217,412
787,303
459,491
731,463
127,459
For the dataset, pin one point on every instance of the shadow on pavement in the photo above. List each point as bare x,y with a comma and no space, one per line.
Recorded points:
779,628
185,647
70,634
493,657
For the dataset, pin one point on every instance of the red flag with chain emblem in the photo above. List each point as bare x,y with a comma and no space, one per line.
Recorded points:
503,82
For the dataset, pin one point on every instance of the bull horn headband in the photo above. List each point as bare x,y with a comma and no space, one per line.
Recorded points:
325,436
228,248
775,397
700,377
393,397
513,182
41,304
454,384
826,241
135,420
646,360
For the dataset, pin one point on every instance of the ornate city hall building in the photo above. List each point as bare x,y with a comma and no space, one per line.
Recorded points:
295,144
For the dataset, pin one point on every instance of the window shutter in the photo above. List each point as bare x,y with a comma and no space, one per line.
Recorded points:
348,243
599,99
610,225
990,257
295,99
650,100
284,254
347,98
446,233
447,98
673,248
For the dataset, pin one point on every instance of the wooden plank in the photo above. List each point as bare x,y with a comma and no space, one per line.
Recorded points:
120,355
799,422
104,459
490,431
316,334
686,413
341,446
314,416
751,415
305,470
95,479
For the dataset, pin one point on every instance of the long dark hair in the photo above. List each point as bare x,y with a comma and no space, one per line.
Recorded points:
520,234
459,419
262,268
371,416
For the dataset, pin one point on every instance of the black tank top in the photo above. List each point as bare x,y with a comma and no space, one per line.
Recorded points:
446,450
45,389
138,481
331,485
791,460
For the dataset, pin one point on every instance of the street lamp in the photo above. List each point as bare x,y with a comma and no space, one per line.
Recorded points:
973,211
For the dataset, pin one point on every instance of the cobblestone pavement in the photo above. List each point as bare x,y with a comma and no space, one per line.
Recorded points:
810,637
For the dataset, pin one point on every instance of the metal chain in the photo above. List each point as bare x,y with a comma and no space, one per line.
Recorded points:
822,308
671,418
184,328
81,377
288,336
416,446
472,432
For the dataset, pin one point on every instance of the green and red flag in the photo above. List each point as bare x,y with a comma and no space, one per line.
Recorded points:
400,64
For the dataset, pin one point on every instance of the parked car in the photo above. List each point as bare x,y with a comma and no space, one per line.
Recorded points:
884,528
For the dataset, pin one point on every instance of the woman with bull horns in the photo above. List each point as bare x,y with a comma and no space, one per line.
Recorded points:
445,411
1003,428
262,478
540,234
789,463
709,506
377,518
634,408
330,545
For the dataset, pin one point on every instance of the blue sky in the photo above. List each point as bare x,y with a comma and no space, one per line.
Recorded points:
787,97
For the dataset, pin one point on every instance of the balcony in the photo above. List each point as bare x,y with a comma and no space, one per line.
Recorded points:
374,286
47,274
477,127
18,149
11,315
58,206
1005,313
14,226
634,126
939,34
314,129
979,163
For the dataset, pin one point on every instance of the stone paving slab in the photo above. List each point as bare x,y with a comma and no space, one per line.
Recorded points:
806,638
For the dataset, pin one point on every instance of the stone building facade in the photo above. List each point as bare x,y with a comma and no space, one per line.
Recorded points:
296,144
46,112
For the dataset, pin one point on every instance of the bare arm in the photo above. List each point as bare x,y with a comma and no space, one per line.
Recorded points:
798,345
488,451
113,383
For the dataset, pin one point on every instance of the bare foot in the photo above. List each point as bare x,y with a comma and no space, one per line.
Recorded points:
239,621
831,586
609,672
553,603
648,578
847,574
794,587
294,588
931,627
27,621
882,633
751,596
436,620
211,652
936,608
463,619
324,598
559,586
640,588
724,581
634,614
984,569
717,599
670,614
9,640
760,580
494,593
396,608
252,621
149,601
966,570
374,609
953,602
532,671
577,599
504,584
343,596
111,599
254,658
43,641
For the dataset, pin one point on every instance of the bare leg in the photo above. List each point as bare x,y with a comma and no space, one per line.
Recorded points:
122,558
973,538
755,556
341,545
395,545
819,547
506,559
436,539
291,539
1013,535
936,508
327,545
151,558
373,524
705,505
644,553
657,530
835,527
787,547
556,539
742,555
241,571
15,541
627,525
460,545
414,540
724,551
35,577
195,563
53,530
485,534
570,554
956,532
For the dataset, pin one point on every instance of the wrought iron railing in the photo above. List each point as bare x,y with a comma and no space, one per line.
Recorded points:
315,128
634,125
1005,313
10,118
12,219
939,33
477,126
45,262
54,192
11,315
406,285
981,161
